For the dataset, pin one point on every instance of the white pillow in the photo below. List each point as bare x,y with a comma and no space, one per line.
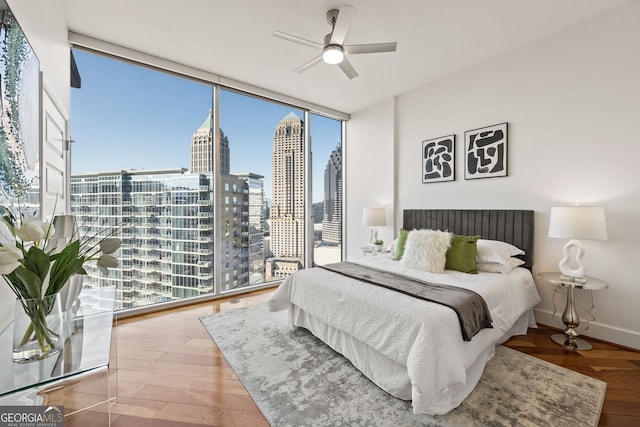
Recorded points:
426,250
495,251
499,267
392,247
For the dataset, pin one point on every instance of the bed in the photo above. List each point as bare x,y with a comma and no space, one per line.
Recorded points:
412,348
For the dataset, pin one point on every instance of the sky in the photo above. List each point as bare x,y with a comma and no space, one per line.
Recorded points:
130,117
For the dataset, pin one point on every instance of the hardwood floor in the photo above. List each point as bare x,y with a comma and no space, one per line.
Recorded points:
170,373
617,366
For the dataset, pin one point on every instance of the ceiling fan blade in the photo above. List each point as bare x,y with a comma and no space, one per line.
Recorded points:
348,69
342,24
370,48
309,64
297,39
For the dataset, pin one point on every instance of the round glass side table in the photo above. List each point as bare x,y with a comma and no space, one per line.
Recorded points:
570,338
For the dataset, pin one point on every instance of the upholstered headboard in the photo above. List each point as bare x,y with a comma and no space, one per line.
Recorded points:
511,226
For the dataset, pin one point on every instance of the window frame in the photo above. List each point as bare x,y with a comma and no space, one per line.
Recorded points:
218,83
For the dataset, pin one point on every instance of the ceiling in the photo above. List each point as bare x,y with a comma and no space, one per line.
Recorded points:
233,38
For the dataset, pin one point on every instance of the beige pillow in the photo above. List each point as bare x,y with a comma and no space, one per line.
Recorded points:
426,250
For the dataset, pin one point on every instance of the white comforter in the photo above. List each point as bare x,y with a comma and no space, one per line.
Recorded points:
423,336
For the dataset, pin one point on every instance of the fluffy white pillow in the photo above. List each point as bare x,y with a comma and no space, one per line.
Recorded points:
495,251
499,267
426,250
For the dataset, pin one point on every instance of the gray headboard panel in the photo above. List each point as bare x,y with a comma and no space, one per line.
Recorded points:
511,226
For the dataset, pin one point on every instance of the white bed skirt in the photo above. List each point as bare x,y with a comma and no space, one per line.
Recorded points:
393,377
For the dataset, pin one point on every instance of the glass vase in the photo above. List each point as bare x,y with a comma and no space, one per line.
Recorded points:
37,328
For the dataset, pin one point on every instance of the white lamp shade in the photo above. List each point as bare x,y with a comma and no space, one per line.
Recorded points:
578,222
374,217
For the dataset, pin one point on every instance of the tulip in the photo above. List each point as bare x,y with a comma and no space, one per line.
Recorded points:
110,245
31,230
9,259
105,262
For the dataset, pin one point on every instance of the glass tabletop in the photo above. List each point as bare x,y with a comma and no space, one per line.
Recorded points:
589,283
87,346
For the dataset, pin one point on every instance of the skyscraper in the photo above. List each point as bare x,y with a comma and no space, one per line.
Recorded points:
234,240
202,148
332,206
255,245
165,221
287,206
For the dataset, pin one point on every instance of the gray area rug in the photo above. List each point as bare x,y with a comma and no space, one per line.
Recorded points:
296,380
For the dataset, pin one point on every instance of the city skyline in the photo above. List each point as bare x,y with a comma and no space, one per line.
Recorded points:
163,111
166,219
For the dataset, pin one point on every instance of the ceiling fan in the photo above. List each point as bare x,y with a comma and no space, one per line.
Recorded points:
333,49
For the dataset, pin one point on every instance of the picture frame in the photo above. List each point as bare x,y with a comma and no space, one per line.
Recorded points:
438,159
486,152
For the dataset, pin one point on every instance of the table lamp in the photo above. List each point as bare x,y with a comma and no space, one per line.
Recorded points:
575,223
374,217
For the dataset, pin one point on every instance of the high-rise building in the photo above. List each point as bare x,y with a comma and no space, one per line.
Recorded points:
165,221
255,246
242,240
202,148
332,206
287,206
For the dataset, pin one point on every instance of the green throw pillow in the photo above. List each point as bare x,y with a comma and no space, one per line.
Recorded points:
402,240
462,254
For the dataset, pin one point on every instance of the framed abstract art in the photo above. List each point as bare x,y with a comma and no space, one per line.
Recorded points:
438,159
486,152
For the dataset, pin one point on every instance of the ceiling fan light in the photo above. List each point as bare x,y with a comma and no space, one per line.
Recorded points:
333,54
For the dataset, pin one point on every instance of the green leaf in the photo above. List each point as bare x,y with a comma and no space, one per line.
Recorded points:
28,282
38,262
67,263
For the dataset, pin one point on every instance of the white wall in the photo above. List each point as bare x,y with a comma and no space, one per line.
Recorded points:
572,102
370,150
46,29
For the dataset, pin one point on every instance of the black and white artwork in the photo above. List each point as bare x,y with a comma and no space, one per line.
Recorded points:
486,151
438,159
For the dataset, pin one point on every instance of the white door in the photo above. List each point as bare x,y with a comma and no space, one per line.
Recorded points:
55,179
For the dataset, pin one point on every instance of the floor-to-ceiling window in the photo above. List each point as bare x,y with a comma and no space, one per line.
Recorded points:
326,137
210,189
266,219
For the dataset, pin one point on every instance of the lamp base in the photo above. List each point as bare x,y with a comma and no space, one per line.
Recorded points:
571,343
373,236
580,271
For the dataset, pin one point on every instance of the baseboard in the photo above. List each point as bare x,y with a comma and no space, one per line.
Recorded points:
597,330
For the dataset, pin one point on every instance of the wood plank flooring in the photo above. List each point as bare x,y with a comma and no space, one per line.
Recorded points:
617,366
170,373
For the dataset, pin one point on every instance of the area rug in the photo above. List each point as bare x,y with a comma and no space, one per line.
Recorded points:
296,380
